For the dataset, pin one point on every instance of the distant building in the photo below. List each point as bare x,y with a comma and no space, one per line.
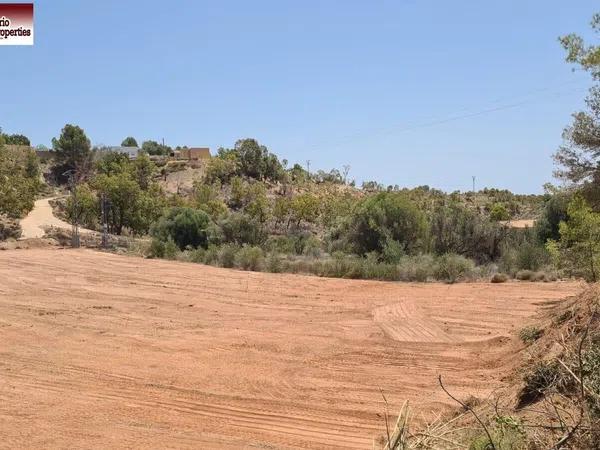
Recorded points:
131,152
192,154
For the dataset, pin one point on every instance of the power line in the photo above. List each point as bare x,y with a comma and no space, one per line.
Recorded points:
457,116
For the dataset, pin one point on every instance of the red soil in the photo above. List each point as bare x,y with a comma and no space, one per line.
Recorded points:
100,350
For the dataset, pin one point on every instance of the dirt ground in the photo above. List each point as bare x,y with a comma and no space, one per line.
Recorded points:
104,351
40,217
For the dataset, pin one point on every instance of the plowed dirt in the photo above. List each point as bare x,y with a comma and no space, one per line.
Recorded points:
104,351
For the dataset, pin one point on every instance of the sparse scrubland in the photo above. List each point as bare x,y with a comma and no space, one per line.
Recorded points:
250,211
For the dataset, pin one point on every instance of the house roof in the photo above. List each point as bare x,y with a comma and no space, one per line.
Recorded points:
131,151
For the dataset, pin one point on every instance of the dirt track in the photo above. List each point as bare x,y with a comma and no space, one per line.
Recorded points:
104,351
40,217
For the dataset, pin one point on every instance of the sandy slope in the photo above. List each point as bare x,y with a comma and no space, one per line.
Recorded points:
40,217
104,351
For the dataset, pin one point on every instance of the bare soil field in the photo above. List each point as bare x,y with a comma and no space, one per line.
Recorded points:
105,351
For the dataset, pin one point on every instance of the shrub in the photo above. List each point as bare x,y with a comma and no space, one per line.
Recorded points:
312,247
532,256
524,275
457,229
541,276
499,212
499,278
19,181
211,256
385,217
542,377
241,229
451,268
591,367
227,255
171,249
415,268
9,228
250,258
157,249
197,255
273,263
530,334
184,226
392,252
282,244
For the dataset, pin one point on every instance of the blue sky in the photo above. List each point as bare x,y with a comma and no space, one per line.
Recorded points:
406,92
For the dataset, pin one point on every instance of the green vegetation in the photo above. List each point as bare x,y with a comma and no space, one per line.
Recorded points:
72,152
184,226
530,334
129,142
579,246
19,180
499,278
154,148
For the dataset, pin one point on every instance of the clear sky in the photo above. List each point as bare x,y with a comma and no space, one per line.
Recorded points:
406,92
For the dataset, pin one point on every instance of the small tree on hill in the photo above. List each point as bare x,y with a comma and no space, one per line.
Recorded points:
129,142
72,151
154,148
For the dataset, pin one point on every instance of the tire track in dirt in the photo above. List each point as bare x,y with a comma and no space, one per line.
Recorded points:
405,321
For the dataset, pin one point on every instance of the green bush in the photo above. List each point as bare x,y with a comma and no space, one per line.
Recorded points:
283,244
525,275
250,258
312,247
452,268
157,249
392,252
197,255
499,278
184,226
523,255
273,263
499,212
415,268
591,367
530,334
211,256
457,229
227,254
239,228
9,228
171,249
386,217
19,181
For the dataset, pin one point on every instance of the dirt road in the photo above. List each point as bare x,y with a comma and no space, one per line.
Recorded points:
40,217
104,351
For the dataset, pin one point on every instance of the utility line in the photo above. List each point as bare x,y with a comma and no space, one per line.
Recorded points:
456,116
